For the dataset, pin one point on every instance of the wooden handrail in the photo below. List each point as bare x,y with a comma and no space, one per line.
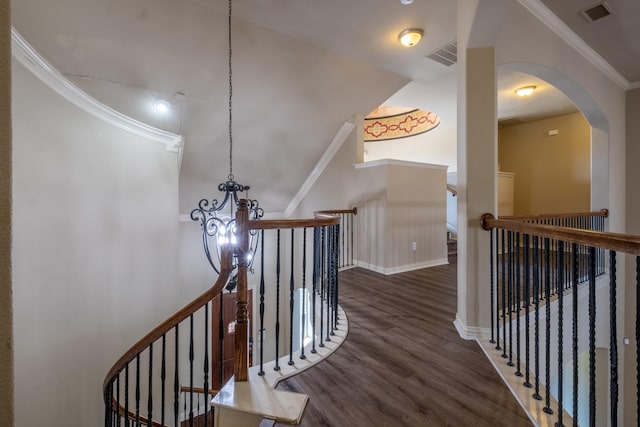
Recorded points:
143,420
197,390
612,241
601,213
353,210
225,270
451,189
270,224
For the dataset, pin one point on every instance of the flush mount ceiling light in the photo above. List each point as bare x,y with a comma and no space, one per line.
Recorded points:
525,90
410,37
162,105
406,1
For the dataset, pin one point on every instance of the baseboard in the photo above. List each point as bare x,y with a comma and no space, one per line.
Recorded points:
402,268
470,332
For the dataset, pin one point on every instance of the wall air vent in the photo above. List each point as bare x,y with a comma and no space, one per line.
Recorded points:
596,12
445,55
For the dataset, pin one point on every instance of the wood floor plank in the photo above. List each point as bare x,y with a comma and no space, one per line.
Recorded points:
403,363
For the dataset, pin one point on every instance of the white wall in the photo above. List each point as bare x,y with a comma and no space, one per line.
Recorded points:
438,146
95,244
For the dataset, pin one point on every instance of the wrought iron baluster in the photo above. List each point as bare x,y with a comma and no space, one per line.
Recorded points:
329,285
491,284
191,357
527,306
322,276
303,326
291,288
536,335
221,333
351,247
137,389
163,377
613,340
126,396
206,363
261,372
497,308
335,284
342,239
510,293
277,365
574,300
176,379
150,396
592,336
117,412
314,286
518,302
547,336
560,276
504,296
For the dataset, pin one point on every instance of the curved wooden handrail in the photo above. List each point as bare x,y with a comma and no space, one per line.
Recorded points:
270,224
601,213
451,189
143,420
197,390
225,270
612,241
353,210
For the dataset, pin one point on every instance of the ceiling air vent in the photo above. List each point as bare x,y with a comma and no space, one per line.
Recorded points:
446,55
596,12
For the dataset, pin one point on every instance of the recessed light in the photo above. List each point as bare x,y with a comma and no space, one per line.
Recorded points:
525,90
406,1
410,37
162,105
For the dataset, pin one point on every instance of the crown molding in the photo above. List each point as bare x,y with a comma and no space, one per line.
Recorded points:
542,12
336,143
26,55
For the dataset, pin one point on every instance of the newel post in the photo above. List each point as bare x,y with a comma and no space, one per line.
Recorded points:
241,358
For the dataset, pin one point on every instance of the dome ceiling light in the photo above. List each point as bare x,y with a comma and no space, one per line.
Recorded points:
410,37
161,105
525,90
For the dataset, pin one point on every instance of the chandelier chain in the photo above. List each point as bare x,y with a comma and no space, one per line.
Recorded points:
230,103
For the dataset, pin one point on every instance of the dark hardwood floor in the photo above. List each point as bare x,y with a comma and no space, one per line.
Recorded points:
403,363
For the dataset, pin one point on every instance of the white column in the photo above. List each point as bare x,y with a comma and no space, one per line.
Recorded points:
477,184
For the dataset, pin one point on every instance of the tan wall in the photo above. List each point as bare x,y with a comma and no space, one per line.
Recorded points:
552,172
416,212
6,299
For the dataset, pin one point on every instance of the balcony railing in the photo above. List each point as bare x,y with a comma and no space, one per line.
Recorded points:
165,378
551,311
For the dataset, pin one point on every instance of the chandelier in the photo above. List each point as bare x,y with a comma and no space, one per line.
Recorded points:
217,217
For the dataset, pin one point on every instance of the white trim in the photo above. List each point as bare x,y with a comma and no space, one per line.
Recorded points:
634,85
394,162
469,332
506,174
542,12
402,268
26,55
331,150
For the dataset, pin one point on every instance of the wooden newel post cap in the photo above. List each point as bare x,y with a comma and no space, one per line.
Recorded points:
484,220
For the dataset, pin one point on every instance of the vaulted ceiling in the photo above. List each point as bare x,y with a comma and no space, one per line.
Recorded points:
301,68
